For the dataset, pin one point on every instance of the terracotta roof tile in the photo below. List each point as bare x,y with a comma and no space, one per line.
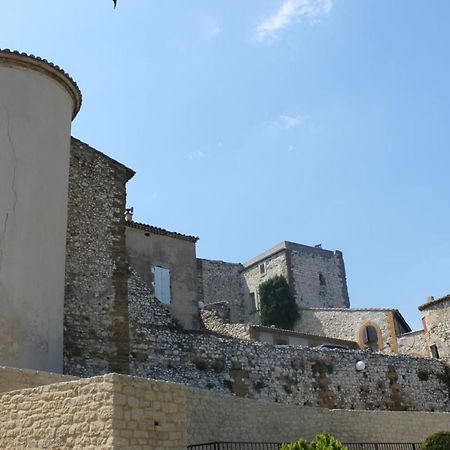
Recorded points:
161,231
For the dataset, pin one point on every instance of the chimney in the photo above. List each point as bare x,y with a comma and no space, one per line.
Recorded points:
129,214
430,299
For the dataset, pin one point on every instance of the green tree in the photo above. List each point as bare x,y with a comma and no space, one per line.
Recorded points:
278,306
437,441
324,441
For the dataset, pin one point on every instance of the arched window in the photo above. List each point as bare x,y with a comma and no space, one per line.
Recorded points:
370,337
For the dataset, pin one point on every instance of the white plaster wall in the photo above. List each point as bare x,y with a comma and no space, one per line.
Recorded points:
35,120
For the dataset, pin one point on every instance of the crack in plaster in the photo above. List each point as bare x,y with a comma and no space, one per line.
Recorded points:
13,183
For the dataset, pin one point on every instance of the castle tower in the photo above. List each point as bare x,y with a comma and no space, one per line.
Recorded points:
37,104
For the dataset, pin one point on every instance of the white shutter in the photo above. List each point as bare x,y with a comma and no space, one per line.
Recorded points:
162,284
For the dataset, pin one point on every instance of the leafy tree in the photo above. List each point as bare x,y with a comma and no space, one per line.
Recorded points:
324,441
437,441
278,306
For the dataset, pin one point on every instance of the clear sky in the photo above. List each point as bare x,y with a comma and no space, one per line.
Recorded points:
253,122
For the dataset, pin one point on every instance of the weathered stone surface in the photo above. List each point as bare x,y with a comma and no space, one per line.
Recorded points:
96,294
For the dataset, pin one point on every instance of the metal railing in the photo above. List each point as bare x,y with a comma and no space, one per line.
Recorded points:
277,446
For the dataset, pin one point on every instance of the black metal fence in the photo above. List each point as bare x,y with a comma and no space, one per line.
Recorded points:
277,446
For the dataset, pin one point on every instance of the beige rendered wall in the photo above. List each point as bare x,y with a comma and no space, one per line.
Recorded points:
35,120
145,249
215,418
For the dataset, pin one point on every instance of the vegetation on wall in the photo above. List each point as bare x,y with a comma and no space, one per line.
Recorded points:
278,306
437,441
324,441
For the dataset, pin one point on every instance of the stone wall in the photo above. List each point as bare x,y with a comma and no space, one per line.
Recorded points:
413,344
437,319
214,322
96,297
345,323
318,277
220,281
12,379
65,415
274,264
108,412
291,375
121,412
219,418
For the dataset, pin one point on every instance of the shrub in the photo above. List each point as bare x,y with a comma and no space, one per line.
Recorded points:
278,306
324,441
437,441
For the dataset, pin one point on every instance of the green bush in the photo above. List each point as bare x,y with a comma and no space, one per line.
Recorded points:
437,441
324,441
278,306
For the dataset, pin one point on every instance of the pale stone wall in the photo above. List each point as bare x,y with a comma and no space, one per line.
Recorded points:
149,414
414,344
275,264
293,375
347,323
215,324
108,412
77,414
437,318
215,418
96,294
12,379
318,277
121,412
219,281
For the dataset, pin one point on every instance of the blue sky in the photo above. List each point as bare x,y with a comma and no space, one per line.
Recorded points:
250,123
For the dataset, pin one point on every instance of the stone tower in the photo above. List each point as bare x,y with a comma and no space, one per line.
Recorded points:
37,104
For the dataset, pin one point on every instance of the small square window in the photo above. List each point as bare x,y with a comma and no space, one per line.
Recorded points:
262,268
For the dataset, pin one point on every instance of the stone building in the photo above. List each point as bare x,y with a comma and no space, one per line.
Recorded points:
127,297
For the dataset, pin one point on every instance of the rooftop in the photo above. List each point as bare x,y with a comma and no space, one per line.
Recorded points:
161,231
434,302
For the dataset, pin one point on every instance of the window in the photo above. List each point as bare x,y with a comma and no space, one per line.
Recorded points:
161,277
434,351
322,280
279,341
370,337
262,268
253,303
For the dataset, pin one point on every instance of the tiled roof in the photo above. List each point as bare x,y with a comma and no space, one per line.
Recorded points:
434,302
161,231
49,68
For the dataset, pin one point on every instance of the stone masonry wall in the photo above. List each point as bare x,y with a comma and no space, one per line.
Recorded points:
214,323
318,277
65,415
346,324
107,412
292,375
413,344
219,418
274,265
12,379
96,297
219,281
437,318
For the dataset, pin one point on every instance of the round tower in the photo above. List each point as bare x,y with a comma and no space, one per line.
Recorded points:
37,104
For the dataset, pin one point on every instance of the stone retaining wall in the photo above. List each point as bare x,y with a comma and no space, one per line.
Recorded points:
12,379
